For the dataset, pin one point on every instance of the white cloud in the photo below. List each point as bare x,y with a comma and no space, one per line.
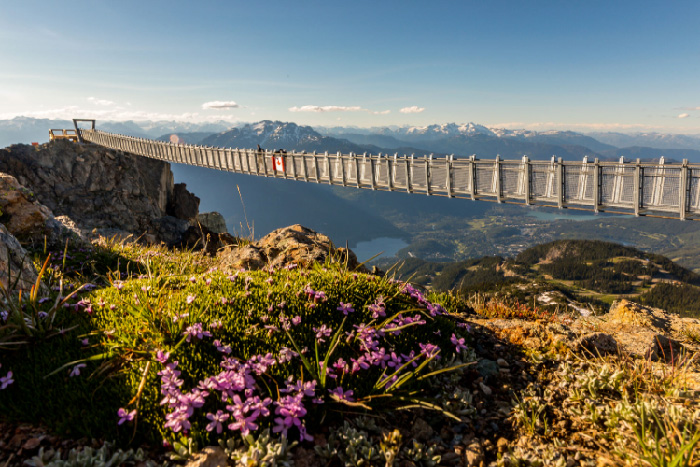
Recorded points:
220,105
539,126
336,108
684,116
100,102
690,108
327,108
414,109
119,114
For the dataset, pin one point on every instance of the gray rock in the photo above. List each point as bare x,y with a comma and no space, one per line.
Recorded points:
183,204
102,190
213,221
474,455
597,343
295,244
487,367
14,258
169,229
421,430
665,349
211,456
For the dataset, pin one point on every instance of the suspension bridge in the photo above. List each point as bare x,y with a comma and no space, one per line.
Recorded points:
668,190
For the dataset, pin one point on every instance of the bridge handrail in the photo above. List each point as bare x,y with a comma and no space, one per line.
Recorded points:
637,188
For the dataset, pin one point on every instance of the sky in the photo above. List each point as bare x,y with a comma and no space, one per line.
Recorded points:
625,66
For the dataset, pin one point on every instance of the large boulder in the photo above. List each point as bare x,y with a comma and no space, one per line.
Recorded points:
199,237
29,221
289,245
22,216
642,331
213,221
15,261
102,190
182,203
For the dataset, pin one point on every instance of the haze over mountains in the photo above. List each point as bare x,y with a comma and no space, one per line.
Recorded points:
450,138
26,130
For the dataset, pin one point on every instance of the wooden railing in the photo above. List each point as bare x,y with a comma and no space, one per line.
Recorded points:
636,188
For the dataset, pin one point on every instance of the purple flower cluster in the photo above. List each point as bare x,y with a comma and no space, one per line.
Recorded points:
394,327
222,348
6,380
458,343
323,331
346,308
76,369
342,394
197,331
433,308
242,404
315,295
378,308
125,416
237,389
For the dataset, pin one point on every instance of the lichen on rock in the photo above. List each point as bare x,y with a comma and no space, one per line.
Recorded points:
295,244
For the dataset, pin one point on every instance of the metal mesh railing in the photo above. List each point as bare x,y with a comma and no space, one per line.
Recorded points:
626,187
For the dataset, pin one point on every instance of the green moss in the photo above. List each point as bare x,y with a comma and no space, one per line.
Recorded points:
130,322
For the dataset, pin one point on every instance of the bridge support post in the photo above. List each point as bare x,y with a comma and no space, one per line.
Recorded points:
428,166
316,171
357,168
339,159
683,201
448,166
182,151
305,170
293,165
596,185
219,160
371,172
266,153
329,171
472,176
528,180
390,172
637,187
561,184
497,179
409,166
257,165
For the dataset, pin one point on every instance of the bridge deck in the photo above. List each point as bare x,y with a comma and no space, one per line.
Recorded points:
658,190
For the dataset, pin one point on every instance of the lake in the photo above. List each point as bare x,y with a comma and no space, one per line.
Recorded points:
553,216
385,245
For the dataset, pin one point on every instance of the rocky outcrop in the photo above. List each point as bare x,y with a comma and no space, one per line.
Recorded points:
29,221
20,213
649,332
628,328
183,204
213,221
103,190
210,456
198,237
290,245
15,260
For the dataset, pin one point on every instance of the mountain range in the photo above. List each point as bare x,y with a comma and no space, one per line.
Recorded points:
27,130
450,138
461,140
